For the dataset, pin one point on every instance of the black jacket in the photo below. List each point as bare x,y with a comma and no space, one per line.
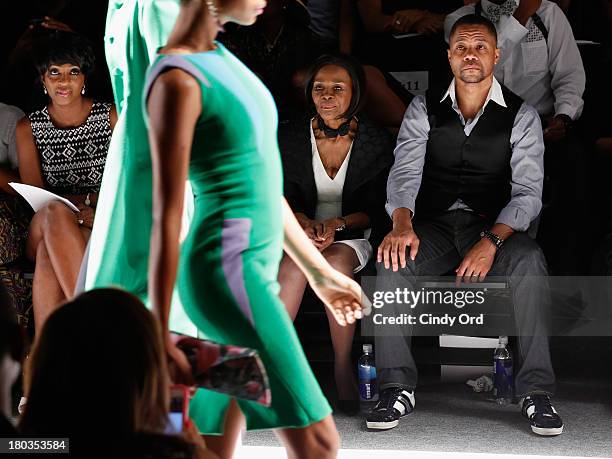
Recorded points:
366,177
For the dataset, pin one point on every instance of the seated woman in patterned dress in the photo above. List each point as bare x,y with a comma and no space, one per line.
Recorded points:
63,148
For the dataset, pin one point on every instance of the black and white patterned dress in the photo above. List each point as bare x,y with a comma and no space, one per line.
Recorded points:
72,159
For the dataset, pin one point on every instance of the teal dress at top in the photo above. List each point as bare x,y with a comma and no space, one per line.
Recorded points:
229,261
118,252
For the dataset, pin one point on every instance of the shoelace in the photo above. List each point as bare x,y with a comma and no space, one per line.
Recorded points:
542,405
388,399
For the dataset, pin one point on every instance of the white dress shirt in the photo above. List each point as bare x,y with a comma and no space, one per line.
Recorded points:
547,74
526,163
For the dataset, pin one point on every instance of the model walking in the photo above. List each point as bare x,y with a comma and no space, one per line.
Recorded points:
212,120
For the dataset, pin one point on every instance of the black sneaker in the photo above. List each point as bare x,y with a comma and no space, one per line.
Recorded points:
392,405
542,415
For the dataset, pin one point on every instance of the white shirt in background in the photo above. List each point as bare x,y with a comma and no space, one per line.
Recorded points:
547,74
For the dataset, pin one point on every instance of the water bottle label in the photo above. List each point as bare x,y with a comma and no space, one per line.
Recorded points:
503,381
367,382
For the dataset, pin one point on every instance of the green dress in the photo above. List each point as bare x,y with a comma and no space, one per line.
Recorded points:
119,245
229,261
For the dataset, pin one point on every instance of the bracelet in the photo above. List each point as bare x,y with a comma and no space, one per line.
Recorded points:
342,227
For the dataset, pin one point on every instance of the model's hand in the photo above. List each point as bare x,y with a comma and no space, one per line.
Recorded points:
392,250
477,262
178,365
341,295
555,131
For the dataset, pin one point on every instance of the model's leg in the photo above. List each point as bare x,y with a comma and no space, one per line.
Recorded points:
317,441
47,293
344,259
225,445
293,283
65,242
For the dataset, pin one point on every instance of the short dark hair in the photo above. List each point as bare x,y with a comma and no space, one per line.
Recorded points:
355,71
471,20
63,47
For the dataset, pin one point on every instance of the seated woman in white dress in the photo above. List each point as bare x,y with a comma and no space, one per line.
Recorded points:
335,166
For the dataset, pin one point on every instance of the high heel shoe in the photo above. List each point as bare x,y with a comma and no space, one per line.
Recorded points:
348,407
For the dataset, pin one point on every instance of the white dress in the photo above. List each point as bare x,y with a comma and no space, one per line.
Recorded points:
329,200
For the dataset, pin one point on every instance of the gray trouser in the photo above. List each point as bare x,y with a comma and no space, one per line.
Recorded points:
444,241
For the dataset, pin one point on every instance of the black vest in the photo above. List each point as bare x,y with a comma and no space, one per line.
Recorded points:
475,169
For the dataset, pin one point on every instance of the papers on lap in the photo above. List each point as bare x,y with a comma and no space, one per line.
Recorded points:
39,197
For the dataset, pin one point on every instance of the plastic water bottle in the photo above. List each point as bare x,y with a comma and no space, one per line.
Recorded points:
503,381
368,389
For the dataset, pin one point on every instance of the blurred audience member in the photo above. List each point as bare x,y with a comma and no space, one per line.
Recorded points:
384,44
14,215
63,148
403,16
541,63
9,116
11,353
98,375
335,167
276,48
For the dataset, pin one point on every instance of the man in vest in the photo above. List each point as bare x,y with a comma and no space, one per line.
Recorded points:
465,185
541,63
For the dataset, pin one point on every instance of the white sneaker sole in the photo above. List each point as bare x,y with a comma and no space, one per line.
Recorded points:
382,425
547,432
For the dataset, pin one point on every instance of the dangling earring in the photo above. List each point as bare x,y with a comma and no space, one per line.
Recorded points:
83,90
212,8
214,12
45,89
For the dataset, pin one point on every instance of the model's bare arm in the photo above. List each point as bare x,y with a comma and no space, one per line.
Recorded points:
174,105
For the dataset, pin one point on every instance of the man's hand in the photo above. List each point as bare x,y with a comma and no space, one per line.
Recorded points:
430,24
341,295
403,20
392,249
556,130
477,262
526,9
